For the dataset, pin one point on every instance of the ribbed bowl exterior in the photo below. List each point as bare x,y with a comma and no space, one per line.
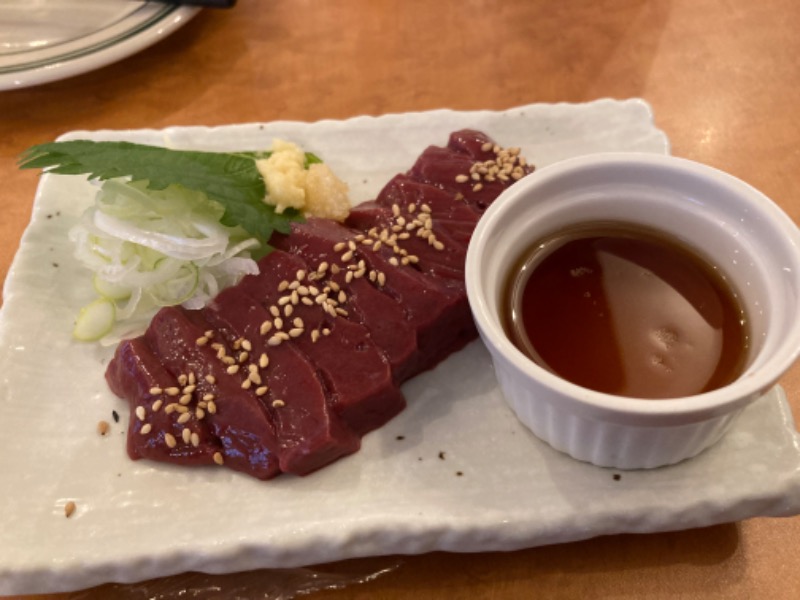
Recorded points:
607,444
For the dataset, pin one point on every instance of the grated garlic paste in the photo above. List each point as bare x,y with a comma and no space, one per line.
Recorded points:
315,191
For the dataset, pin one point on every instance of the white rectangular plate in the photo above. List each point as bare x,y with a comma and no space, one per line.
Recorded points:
455,471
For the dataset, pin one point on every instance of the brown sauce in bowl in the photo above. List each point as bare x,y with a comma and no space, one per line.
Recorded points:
626,311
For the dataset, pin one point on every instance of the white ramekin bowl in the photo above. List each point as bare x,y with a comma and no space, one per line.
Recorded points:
746,235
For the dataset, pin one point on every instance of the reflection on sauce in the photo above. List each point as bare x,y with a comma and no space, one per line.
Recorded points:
626,311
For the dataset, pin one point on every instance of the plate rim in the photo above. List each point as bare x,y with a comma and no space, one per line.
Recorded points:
88,53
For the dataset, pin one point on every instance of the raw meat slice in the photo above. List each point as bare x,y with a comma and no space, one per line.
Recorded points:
137,374
433,250
238,419
431,306
355,371
379,313
309,434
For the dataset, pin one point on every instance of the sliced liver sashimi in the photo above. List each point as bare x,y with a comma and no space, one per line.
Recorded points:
309,433
455,216
285,371
471,142
431,306
379,313
355,371
240,421
445,259
443,167
137,374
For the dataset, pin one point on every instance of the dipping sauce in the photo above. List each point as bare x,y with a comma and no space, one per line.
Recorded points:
627,311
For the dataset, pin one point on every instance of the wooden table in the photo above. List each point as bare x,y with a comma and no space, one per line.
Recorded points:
723,80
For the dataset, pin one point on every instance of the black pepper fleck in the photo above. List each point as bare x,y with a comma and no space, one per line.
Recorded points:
441,455
617,476
400,437
459,473
115,415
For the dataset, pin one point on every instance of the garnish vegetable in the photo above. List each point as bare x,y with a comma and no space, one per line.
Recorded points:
167,226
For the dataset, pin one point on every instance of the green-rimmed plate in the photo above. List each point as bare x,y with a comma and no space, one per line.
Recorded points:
43,40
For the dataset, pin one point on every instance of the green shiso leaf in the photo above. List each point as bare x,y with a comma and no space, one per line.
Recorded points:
232,179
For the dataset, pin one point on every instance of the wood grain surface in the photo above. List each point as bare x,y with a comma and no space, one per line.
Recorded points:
722,76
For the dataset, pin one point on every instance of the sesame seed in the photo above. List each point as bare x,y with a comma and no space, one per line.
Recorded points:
335,269
195,440
314,335
157,405
172,391
338,247
307,301
199,414
254,377
347,256
288,310
169,440
284,300
212,407
395,210
263,361
140,413
246,384
184,417
185,399
180,408
393,261
155,391
295,332
260,391
273,310
208,397
300,275
232,369
218,458
462,178
438,245
278,403
209,333
182,379
201,341
382,279
146,428
69,509
326,331
265,327
186,434
211,379
278,322
323,266
228,360
243,356
275,340
283,285
189,388
170,408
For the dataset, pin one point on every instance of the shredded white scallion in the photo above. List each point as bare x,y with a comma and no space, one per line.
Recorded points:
151,248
